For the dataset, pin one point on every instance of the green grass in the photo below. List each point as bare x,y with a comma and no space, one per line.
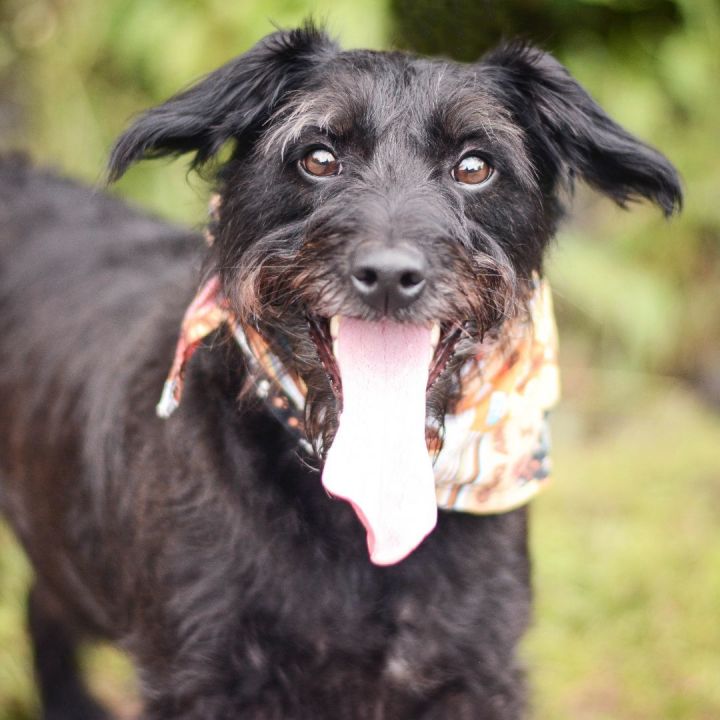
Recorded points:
16,698
627,556
627,564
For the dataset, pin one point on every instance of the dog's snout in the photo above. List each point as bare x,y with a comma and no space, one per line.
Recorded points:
388,278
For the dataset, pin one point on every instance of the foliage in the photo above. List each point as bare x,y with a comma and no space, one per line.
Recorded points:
76,73
464,29
626,543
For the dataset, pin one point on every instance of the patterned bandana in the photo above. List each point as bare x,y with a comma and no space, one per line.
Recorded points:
494,453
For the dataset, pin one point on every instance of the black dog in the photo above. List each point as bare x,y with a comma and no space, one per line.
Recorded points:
379,187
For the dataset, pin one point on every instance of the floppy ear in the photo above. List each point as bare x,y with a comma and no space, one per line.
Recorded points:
570,135
226,103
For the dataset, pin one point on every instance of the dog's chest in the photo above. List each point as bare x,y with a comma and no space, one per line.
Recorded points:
358,624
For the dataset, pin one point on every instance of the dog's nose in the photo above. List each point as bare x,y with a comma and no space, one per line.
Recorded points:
388,278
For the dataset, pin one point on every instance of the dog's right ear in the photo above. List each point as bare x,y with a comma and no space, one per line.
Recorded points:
226,103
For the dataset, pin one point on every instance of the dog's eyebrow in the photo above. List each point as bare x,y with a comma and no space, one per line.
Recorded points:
471,113
328,112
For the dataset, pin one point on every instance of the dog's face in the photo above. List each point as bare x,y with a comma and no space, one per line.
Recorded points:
369,191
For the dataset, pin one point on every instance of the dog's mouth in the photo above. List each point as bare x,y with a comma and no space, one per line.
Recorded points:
444,338
378,460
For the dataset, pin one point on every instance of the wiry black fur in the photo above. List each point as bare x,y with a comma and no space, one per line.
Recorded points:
203,545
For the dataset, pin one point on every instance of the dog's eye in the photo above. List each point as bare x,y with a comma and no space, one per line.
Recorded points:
472,170
320,163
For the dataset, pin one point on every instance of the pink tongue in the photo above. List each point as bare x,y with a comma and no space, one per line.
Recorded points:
379,460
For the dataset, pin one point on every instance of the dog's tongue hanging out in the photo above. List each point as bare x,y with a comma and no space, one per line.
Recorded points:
379,460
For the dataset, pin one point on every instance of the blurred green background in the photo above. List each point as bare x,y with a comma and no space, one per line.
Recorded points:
627,543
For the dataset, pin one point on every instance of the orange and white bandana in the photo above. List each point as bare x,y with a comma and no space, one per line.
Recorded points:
494,452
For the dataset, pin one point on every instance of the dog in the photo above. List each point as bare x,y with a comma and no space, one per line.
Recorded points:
271,546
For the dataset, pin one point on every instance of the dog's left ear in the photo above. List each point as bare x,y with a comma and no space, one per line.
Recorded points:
570,135
230,101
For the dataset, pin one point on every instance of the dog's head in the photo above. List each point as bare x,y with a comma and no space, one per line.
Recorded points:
381,214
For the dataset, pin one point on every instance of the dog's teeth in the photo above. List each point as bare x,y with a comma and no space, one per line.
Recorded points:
335,347
334,327
435,335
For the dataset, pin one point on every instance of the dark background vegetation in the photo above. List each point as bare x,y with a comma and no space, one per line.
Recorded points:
627,543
